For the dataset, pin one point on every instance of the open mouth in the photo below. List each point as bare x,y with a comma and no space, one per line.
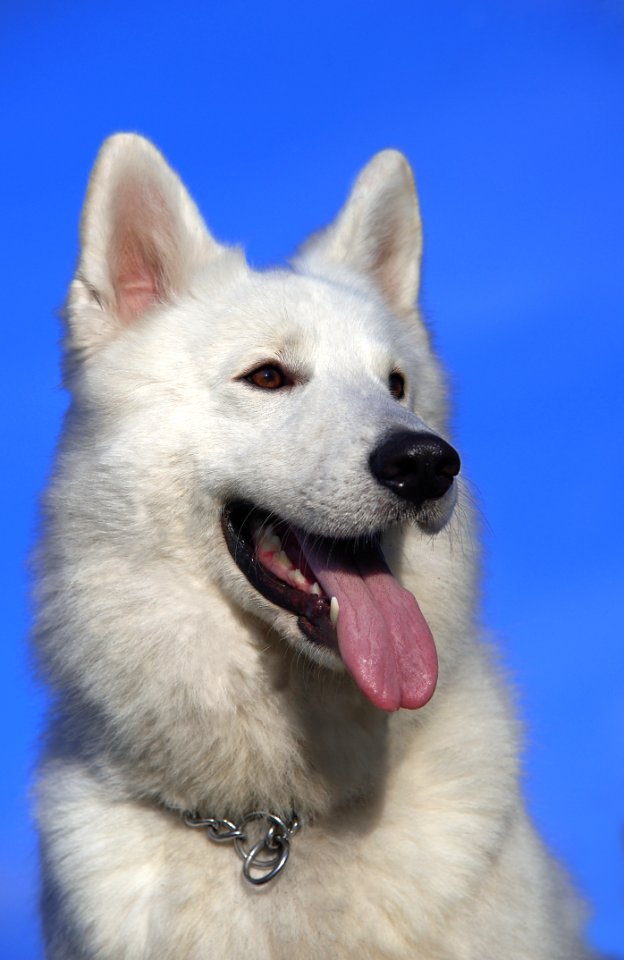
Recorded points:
344,597
271,555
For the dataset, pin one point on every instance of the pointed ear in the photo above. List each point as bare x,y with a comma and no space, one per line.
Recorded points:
142,238
378,231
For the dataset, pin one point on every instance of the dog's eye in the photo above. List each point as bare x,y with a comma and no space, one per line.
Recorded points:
268,377
396,385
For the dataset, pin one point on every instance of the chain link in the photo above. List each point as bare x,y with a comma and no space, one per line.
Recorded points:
263,858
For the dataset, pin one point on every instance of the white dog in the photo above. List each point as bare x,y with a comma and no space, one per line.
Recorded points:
265,744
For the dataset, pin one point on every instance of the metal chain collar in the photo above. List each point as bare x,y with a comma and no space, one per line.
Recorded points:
265,856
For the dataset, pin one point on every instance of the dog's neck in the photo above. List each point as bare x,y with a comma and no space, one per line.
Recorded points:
304,740
316,747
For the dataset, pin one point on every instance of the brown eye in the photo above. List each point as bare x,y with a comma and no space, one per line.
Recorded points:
268,377
396,385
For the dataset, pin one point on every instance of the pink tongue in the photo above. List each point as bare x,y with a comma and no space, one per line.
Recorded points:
384,640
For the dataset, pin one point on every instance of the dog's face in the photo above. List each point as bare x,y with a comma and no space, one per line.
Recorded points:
283,420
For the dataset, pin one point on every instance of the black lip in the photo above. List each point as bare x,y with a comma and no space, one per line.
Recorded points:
312,611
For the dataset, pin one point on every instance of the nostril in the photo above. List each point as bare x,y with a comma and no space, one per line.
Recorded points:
392,469
449,467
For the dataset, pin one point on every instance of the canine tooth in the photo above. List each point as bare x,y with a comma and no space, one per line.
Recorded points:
315,589
334,610
298,577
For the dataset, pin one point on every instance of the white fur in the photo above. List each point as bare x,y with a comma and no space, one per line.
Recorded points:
179,687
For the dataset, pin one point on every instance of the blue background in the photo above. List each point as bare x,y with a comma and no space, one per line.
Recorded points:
512,114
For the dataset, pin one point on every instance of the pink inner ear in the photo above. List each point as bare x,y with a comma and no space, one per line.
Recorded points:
141,246
384,267
138,281
395,260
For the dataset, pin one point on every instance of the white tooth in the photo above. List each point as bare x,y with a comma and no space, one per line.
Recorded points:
316,590
298,577
271,543
284,560
334,610
265,537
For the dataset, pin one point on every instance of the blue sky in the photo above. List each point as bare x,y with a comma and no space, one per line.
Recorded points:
512,113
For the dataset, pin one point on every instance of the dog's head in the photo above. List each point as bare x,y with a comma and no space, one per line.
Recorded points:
292,416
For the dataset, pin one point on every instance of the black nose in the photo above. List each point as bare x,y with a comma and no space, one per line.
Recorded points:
415,466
